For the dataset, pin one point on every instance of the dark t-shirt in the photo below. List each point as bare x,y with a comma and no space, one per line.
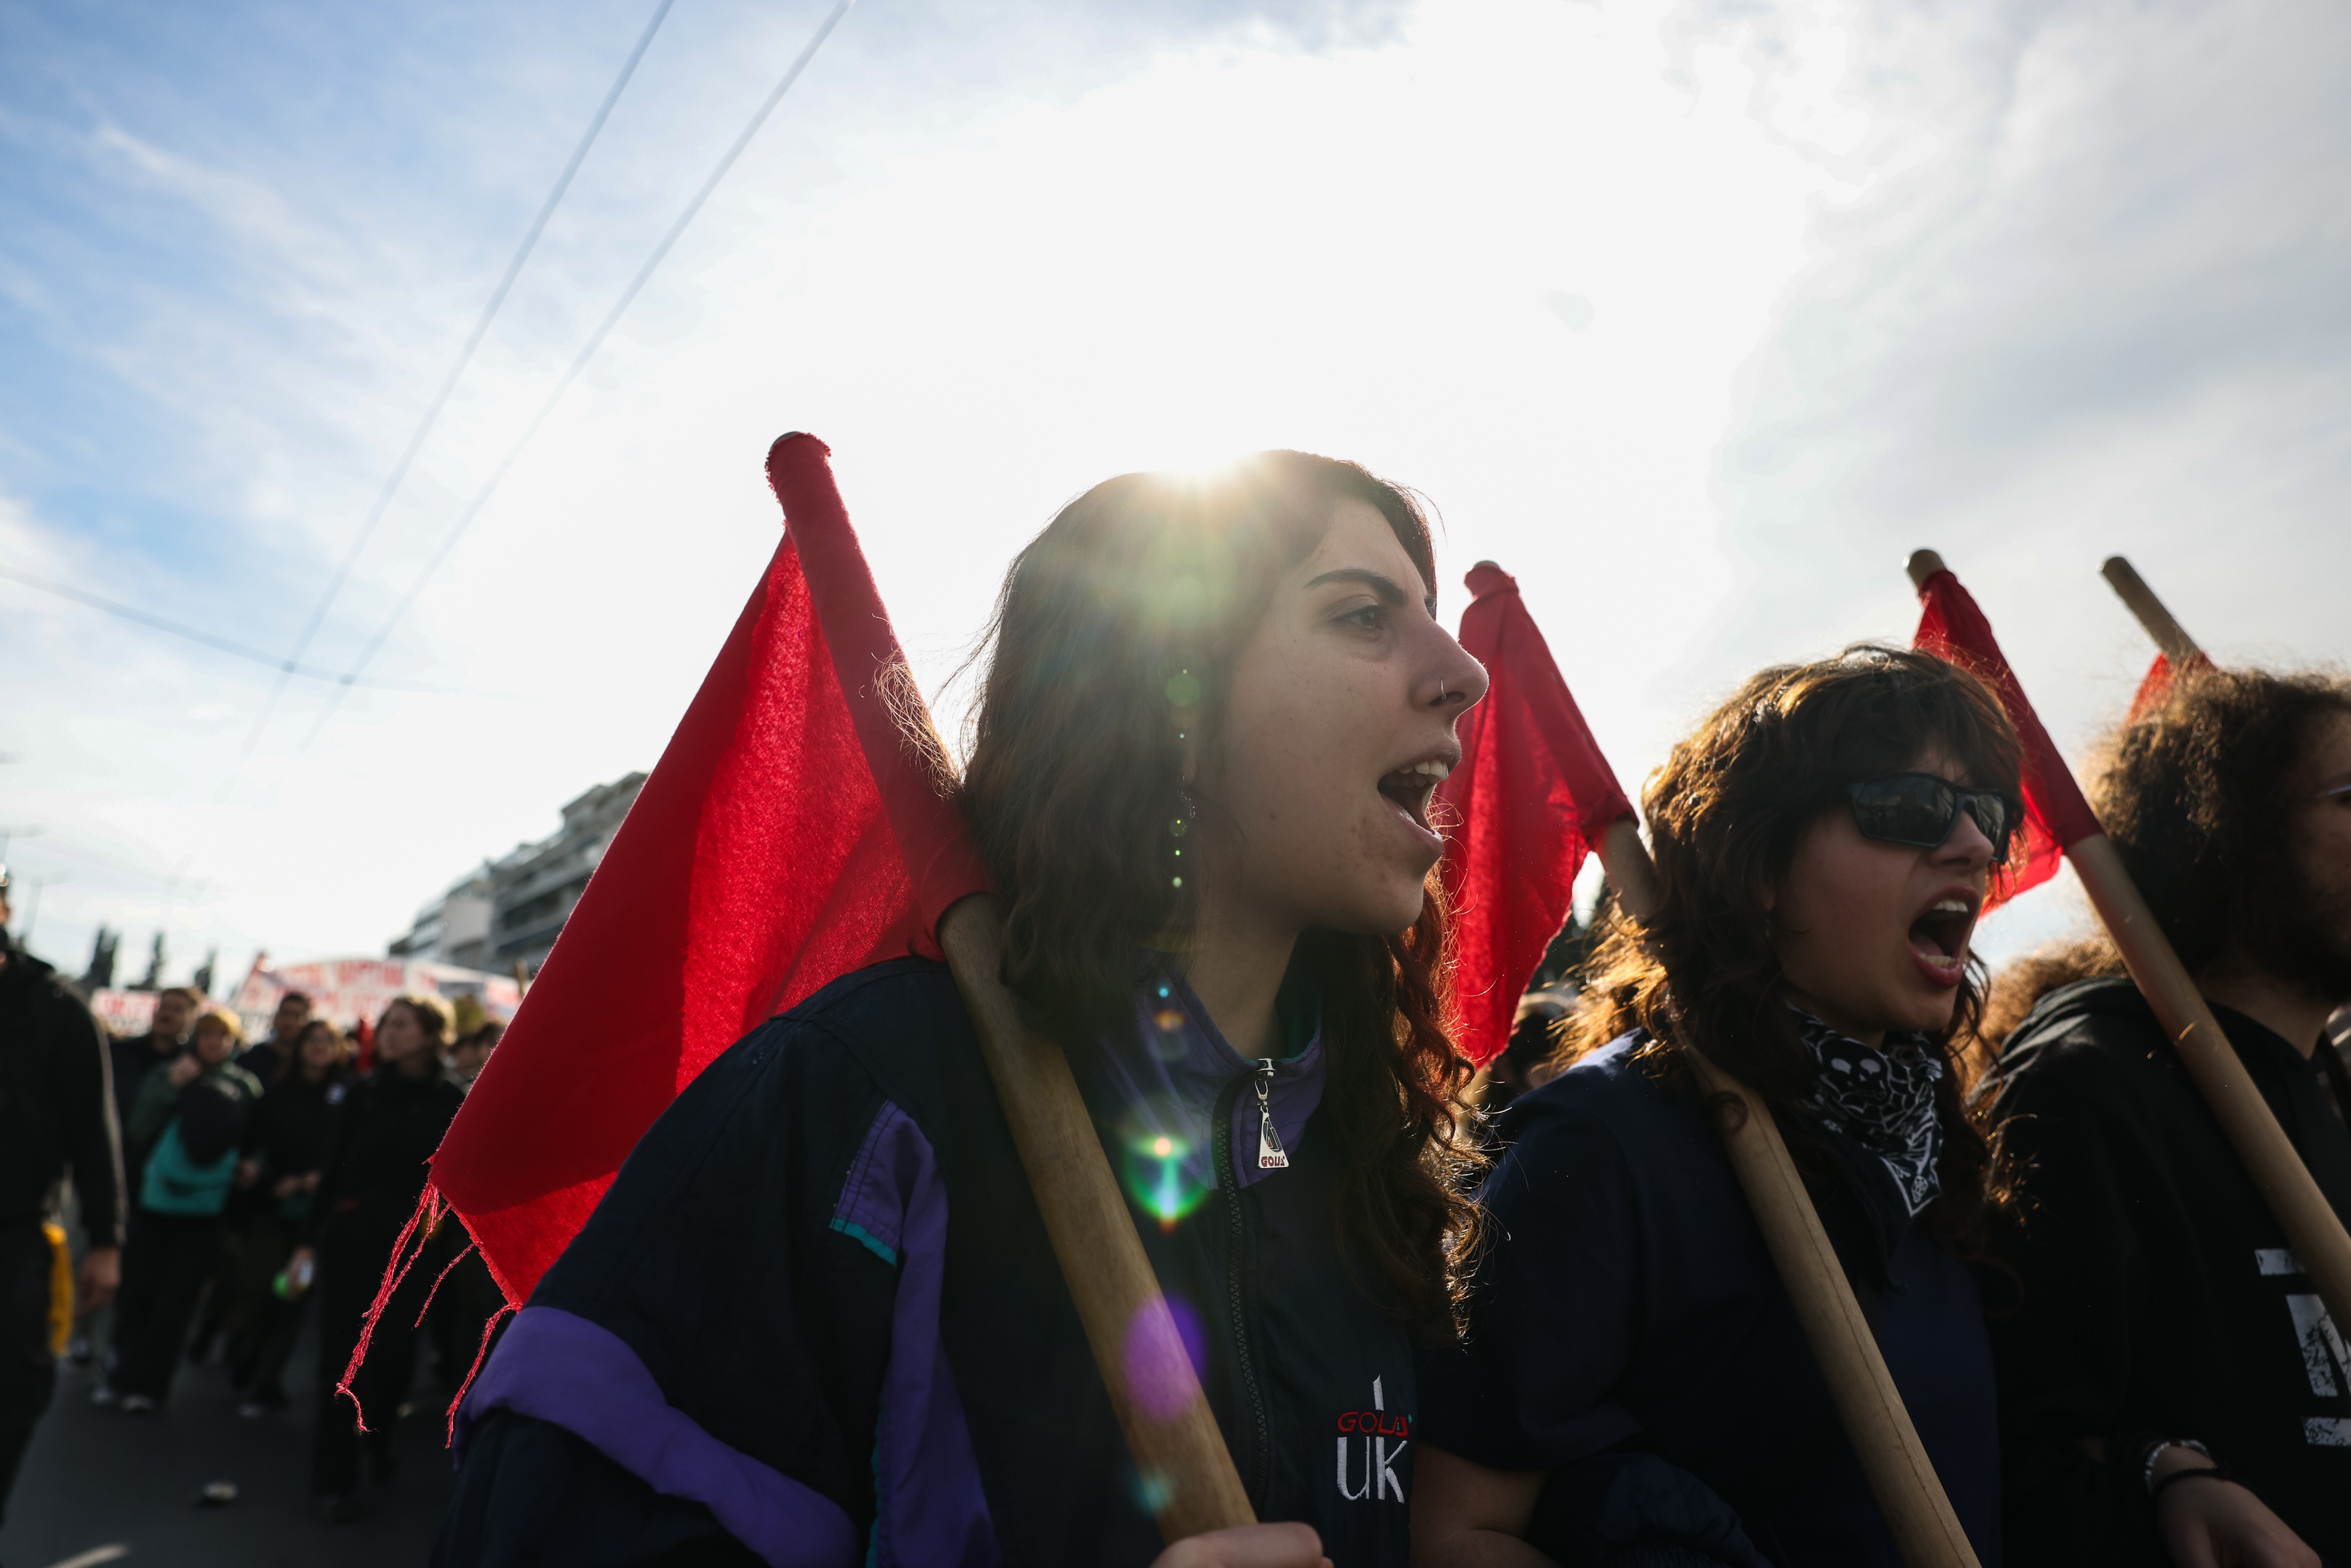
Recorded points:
1628,1303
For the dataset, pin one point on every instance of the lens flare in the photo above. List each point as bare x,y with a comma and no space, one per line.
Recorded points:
1155,1178
1153,1489
1153,1358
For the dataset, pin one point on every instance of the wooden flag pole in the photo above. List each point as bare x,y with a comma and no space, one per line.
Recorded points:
1901,1478
1170,1432
2317,1236
2170,635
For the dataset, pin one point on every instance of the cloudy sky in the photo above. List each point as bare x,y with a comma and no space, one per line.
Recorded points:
1696,315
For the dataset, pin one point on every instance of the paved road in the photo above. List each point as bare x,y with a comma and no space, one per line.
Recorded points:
101,1487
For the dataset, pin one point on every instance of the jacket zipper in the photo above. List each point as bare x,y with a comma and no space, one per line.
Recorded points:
1220,1143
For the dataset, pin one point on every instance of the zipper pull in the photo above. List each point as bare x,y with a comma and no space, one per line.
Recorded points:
1270,1154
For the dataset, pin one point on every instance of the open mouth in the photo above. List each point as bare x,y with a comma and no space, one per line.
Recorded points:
1939,936
1411,788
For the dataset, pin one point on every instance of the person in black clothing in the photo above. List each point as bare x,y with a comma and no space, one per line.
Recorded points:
132,1058
263,1059
286,1141
1634,1386
816,1317
2172,1389
56,1121
189,1120
135,1056
373,1177
471,1053
250,1249
1525,1061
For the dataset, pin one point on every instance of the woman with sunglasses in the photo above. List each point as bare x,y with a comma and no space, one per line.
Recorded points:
1634,1386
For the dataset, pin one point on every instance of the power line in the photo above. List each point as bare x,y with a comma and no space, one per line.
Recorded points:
287,667
202,887
399,474
612,319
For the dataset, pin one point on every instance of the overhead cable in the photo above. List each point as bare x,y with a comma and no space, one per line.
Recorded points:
197,635
596,340
399,474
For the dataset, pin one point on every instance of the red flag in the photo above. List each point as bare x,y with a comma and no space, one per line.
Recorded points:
2055,813
1532,795
2158,680
794,830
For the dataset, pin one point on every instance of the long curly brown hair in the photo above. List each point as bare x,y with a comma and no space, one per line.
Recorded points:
1114,627
1725,815
2196,795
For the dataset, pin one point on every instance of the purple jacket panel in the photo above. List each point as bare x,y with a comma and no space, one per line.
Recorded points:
929,1509
561,1368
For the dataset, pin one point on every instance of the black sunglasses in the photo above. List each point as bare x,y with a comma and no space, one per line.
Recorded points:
1920,809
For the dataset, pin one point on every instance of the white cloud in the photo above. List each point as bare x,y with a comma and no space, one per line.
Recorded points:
1850,277
2084,297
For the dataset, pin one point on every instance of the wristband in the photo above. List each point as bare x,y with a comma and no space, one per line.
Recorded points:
2208,1473
2155,1452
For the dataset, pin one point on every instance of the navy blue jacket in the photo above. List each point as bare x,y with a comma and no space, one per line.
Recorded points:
1628,1320
816,1320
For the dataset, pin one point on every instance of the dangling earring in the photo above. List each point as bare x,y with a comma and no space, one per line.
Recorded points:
1183,691
1177,829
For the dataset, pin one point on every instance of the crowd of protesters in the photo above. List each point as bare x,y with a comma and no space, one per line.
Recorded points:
2108,1348
222,1186
817,1315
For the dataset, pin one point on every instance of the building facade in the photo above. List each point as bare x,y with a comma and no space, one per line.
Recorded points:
509,911
454,928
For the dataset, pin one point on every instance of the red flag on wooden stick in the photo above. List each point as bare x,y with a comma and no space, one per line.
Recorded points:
794,830
2159,680
2055,813
1531,797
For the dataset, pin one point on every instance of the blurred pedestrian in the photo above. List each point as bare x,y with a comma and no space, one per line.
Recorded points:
263,1059
287,1139
135,1055
471,1053
373,1178
1526,1061
190,1117
56,1122
230,1306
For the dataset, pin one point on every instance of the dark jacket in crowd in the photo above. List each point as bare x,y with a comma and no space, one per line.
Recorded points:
1629,1335
133,1059
264,1058
56,1113
2158,1298
291,1128
376,1162
818,1313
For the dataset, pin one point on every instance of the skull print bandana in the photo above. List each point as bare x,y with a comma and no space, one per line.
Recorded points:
1882,1099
